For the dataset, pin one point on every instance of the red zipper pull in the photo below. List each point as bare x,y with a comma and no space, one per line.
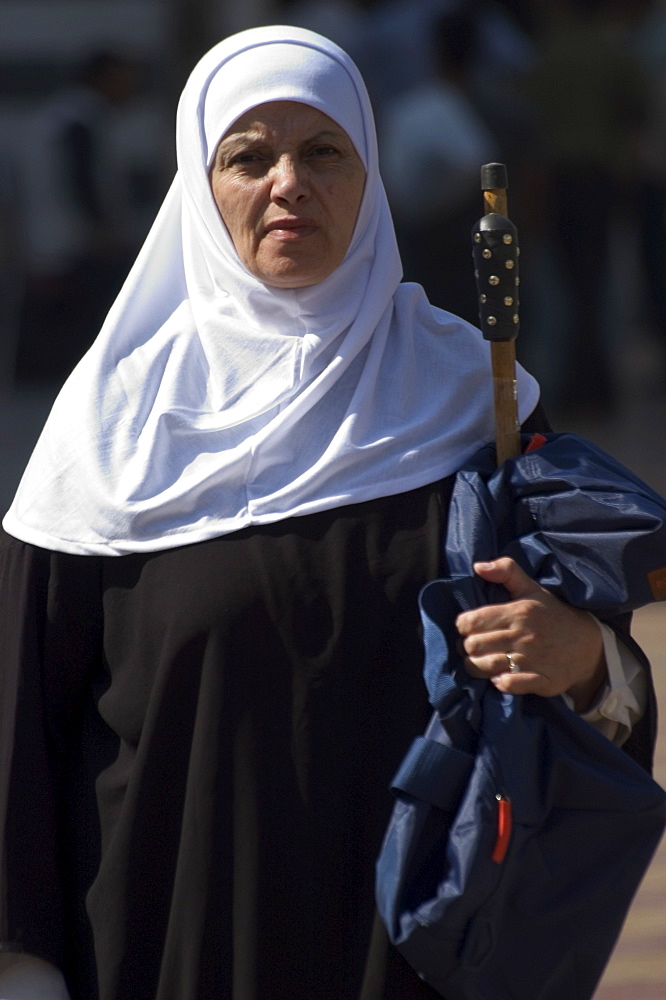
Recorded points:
536,441
504,823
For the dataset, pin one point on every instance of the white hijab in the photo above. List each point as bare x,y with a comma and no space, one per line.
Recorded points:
211,401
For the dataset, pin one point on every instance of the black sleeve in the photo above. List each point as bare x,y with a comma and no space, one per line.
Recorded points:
50,634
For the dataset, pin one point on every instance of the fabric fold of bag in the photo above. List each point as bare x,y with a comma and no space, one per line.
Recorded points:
519,833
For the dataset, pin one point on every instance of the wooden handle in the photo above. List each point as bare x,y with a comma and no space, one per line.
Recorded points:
495,200
505,391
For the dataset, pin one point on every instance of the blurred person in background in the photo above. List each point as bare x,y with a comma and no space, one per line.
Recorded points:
591,101
12,269
470,111
402,49
432,142
648,19
76,204
345,22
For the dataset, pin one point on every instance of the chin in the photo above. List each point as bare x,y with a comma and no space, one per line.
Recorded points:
290,273
291,278
291,282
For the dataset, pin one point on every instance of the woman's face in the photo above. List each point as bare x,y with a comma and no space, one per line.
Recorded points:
288,184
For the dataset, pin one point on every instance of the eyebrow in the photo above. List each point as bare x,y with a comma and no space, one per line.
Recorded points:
254,135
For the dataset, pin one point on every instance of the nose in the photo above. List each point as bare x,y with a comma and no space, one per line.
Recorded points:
288,180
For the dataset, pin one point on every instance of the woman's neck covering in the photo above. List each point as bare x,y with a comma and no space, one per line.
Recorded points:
211,401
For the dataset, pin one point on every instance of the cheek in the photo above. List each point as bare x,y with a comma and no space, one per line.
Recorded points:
234,204
352,202
218,192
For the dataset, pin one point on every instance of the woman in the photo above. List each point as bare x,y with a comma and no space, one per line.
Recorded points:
214,559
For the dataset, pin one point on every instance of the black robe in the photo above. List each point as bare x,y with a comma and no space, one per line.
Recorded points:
202,743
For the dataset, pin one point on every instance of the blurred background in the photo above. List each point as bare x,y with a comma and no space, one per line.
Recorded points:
571,94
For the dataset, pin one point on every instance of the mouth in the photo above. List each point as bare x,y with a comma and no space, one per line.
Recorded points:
291,228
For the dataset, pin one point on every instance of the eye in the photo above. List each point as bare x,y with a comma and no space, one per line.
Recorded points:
249,159
323,150
245,157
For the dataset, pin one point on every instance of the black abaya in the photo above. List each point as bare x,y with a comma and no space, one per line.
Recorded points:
241,705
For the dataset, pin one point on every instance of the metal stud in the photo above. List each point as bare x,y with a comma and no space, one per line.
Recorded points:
491,321
477,237
486,253
508,300
476,274
517,281
509,264
493,280
508,238
483,298
516,318
517,251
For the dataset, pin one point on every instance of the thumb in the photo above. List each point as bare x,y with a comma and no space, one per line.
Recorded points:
508,573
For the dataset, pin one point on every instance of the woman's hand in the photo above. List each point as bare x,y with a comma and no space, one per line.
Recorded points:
555,647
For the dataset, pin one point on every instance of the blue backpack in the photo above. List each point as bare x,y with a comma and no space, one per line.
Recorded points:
519,833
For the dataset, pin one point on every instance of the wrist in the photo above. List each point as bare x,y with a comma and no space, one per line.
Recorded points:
587,688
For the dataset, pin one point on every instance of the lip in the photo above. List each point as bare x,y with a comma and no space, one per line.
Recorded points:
290,227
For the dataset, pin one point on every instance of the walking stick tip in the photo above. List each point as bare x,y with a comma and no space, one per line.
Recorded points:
494,176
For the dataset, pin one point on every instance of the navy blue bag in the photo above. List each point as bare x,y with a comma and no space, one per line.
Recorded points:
520,834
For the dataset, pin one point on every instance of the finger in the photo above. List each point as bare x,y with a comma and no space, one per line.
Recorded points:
493,644
508,573
524,682
496,668
491,664
493,618
519,586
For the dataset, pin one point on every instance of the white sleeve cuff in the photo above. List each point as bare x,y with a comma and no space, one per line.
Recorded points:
623,698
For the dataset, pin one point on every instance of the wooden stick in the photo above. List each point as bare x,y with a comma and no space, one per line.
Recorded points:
507,427
495,200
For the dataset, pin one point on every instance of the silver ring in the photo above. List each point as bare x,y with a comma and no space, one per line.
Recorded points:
513,666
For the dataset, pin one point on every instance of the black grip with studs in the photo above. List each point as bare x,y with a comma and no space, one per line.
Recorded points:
496,258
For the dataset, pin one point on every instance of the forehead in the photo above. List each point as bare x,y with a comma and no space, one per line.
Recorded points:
284,120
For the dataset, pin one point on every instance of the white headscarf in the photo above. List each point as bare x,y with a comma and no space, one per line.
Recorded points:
211,401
